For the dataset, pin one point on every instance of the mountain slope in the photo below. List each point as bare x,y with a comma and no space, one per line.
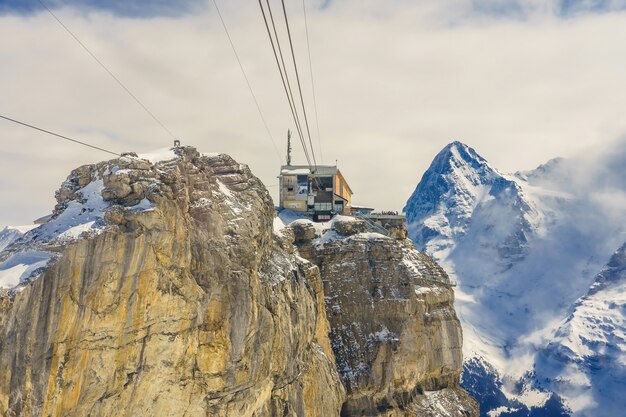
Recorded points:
166,287
171,296
522,247
586,360
11,233
457,197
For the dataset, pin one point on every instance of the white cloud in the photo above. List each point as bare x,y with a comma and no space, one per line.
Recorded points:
395,81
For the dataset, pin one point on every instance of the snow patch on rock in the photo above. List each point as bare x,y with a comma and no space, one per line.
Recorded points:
23,267
159,155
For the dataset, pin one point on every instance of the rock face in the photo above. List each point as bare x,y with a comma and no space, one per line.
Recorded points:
175,300
159,288
394,331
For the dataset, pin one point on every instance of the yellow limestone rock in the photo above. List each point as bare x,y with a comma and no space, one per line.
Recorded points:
184,304
180,300
395,334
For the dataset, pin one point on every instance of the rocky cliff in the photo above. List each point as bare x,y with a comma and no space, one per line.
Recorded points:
159,288
177,300
394,331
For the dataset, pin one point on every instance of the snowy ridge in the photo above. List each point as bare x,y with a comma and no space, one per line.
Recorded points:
523,249
598,318
78,217
26,257
586,361
10,234
23,267
25,252
461,191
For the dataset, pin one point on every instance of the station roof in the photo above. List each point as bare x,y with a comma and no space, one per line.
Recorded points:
306,170
322,171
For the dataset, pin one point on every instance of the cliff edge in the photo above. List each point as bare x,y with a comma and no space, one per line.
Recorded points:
160,287
171,297
395,334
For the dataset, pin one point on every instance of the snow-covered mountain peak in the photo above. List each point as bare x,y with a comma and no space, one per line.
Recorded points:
457,155
461,193
525,250
457,174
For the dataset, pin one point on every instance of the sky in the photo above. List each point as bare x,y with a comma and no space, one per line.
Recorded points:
395,81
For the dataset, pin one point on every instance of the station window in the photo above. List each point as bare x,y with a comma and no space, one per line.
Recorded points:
323,206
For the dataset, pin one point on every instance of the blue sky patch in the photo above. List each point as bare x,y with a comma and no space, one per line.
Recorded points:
571,7
124,8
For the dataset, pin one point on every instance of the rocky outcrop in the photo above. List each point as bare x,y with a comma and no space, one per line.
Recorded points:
5,305
160,289
394,331
173,299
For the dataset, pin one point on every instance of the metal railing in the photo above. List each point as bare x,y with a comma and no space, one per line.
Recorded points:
377,227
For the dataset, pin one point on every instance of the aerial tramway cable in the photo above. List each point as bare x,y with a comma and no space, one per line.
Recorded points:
256,102
293,55
58,135
287,88
308,47
117,80
283,72
284,75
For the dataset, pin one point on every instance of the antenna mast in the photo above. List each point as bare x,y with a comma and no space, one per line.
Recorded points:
288,147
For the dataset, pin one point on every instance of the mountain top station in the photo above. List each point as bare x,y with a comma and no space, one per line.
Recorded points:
321,191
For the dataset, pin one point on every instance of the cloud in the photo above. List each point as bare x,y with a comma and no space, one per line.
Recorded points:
558,8
574,7
498,8
514,9
125,8
395,82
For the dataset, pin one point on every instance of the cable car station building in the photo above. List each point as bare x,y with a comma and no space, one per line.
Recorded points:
321,191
